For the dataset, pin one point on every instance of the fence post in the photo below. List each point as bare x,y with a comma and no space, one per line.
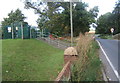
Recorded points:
58,43
22,30
12,31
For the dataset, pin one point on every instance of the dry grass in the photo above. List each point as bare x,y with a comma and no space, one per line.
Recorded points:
83,45
86,67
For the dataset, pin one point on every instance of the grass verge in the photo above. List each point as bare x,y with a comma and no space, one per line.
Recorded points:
88,66
117,36
106,36
30,60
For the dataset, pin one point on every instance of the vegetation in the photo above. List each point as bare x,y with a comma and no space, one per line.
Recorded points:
13,16
105,36
0,32
56,16
30,60
109,20
88,66
104,24
117,36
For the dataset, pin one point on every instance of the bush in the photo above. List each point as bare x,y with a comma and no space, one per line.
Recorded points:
117,36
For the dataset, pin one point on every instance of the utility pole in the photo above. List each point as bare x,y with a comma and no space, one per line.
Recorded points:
22,30
71,22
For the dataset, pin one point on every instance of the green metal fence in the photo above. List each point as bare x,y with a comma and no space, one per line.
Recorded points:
18,30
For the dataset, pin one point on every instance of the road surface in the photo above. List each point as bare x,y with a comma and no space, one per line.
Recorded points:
109,55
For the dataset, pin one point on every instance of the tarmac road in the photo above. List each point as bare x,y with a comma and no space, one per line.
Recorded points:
109,54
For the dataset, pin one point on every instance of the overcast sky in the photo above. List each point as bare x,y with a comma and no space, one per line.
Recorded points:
7,5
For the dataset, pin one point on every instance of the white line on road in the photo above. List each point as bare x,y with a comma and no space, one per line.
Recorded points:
115,71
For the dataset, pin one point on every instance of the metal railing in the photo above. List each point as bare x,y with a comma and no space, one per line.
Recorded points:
55,42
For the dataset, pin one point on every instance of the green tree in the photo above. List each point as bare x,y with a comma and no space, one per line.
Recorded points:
13,17
116,17
109,20
56,16
104,23
16,16
83,18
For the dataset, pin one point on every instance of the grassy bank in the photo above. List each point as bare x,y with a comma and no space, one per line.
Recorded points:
117,36
30,60
105,36
88,66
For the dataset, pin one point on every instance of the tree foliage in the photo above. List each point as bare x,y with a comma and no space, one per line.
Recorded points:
56,16
83,18
13,16
104,23
109,20
116,17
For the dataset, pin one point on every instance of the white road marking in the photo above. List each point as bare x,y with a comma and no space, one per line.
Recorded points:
115,71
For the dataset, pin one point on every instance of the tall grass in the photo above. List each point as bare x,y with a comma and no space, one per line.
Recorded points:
87,67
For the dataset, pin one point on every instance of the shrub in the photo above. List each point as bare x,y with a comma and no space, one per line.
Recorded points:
117,36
